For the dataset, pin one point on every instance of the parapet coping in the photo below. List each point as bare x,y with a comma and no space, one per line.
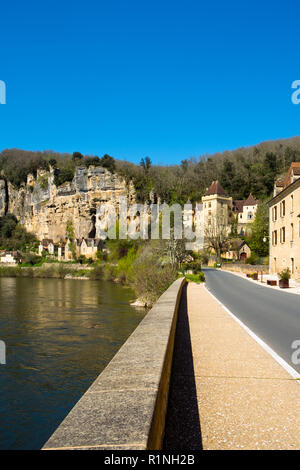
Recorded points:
125,407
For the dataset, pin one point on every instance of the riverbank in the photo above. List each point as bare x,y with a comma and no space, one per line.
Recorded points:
75,271
53,271
148,284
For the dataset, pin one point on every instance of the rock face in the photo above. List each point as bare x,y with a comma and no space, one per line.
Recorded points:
44,209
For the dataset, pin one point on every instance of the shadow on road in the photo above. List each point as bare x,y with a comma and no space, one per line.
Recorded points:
183,429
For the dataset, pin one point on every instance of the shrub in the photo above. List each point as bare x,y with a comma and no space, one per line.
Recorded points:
124,270
84,260
65,175
196,266
204,258
254,259
195,277
109,273
43,182
285,275
31,259
151,279
96,273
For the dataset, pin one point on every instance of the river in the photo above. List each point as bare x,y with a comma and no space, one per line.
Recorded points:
59,335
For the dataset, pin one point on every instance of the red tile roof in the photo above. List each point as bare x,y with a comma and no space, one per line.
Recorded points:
238,205
215,188
250,201
294,169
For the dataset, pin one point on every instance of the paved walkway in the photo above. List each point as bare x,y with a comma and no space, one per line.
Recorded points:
227,391
293,289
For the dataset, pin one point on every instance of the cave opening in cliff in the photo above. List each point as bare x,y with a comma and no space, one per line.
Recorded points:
92,233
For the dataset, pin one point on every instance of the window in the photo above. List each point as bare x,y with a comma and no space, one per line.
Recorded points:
282,235
282,209
274,213
292,203
274,237
250,215
292,232
209,204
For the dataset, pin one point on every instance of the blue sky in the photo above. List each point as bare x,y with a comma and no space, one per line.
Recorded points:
167,79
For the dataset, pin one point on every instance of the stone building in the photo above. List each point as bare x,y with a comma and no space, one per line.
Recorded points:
284,225
47,245
217,205
244,211
10,257
239,250
89,247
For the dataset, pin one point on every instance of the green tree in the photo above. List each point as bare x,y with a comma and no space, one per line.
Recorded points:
70,234
77,157
108,162
260,231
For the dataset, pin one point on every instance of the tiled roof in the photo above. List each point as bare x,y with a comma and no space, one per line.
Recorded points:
46,241
215,188
238,205
294,169
250,201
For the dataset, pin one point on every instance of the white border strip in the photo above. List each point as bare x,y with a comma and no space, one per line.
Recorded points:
267,348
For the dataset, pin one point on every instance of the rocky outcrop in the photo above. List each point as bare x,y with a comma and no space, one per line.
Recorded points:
44,209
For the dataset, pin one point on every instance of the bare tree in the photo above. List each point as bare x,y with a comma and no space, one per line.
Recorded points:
216,237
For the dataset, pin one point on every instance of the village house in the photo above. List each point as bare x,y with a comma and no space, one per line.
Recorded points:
47,246
245,211
217,205
221,209
87,247
284,225
10,257
239,251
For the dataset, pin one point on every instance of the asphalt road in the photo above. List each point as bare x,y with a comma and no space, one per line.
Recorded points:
272,315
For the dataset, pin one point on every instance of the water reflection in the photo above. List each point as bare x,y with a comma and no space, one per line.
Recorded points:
59,336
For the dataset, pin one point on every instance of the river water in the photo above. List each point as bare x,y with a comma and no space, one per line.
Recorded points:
59,335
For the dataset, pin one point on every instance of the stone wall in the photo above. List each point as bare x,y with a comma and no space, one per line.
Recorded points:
246,268
125,408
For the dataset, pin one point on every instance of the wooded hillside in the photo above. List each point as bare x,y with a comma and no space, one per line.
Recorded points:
242,171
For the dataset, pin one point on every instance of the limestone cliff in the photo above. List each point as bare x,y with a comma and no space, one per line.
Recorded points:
44,209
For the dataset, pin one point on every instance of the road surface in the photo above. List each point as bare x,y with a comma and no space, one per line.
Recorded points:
274,316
